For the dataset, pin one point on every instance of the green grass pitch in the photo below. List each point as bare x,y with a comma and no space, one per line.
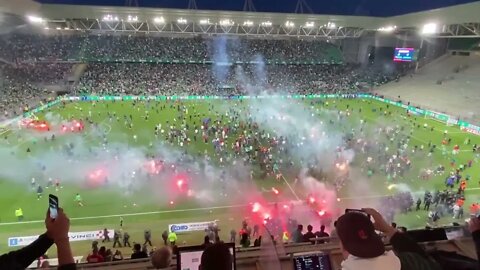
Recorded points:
104,206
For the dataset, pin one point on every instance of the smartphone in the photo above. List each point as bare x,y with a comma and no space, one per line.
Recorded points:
357,211
53,206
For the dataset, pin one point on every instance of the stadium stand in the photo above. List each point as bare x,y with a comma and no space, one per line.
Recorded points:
35,68
201,79
448,85
90,48
463,44
46,65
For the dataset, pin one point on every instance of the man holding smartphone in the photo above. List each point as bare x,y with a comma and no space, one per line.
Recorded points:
361,246
57,233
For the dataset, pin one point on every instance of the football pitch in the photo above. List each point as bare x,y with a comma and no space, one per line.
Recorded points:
122,169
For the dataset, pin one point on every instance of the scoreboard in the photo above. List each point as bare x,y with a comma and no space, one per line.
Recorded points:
404,55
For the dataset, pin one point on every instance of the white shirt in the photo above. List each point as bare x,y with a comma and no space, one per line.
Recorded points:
387,261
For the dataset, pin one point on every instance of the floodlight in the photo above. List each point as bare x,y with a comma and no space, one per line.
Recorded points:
266,23
132,18
289,24
331,25
429,28
309,24
58,28
182,21
387,28
158,20
226,22
110,18
247,23
205,21
34,19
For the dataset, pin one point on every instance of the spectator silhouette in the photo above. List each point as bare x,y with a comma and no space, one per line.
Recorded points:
161,258
321,234
309,235
138,253
95,257
244,241
216,257
297,235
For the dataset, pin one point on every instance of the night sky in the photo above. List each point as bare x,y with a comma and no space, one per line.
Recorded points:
379,8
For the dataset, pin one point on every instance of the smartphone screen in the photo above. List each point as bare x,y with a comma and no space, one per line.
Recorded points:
357,211
53,206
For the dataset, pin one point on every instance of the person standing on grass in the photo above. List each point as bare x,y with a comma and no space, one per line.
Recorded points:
116,238
165,237
78,199
126,239
106,237
147,235
172,238
19,214
39,192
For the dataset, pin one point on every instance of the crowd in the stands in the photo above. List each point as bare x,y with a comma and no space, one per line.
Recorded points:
25,85
189,66
149,47
199,79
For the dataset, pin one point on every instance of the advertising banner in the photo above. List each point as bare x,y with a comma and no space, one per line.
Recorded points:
73,236
189,227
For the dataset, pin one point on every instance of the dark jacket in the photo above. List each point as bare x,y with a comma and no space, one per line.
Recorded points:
411,255
476,240
22,258
139,255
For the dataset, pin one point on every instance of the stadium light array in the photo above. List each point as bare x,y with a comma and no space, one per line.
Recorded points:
309,24
247,23
266,24
387,28
34,19
331,25
131,18
429,28
204,21
159,20
289,24
226,22
182,21
110,18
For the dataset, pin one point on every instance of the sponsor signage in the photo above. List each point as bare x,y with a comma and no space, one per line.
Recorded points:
189,227
73,236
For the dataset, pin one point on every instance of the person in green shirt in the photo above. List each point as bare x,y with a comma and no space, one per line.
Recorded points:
78,199
172,238
19,214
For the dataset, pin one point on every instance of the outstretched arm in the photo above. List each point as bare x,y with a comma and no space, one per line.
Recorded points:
22,258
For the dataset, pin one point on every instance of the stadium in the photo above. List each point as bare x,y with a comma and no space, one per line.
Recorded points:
175,123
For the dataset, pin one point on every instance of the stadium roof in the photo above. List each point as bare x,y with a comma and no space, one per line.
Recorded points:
375,8
459,20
